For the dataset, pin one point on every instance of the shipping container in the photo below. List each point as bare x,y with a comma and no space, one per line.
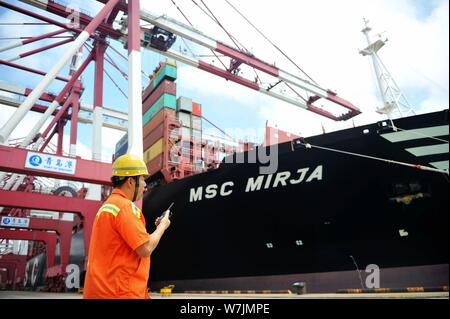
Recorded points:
165,101
154,150
196,109
154,136
165,87
184,104
186,133
184,118
196,122
196,135
186,149
168,72
160,117
155,165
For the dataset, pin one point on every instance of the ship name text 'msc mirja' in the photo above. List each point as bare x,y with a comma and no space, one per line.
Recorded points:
254,184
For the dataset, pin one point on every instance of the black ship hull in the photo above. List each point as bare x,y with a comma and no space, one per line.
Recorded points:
322,217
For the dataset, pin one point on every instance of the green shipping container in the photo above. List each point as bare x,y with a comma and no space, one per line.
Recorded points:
166,72
166,100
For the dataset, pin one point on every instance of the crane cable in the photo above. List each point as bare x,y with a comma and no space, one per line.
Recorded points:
110,61
108,75
193,26
126,59
273,44
222,131
117,86
212,17
178,8
221,26
182,13
233,39
417,166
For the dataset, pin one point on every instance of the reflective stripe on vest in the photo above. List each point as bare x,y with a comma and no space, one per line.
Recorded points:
109,208
136,210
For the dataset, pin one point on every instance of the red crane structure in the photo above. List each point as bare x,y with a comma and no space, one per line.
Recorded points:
21,164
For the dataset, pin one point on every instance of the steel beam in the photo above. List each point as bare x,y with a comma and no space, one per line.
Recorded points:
13,160
135,138
44,48
85,119
39,17
62,11
32,39
24,68
64,230
84,207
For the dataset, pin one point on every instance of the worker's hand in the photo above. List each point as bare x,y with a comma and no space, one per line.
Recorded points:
163,220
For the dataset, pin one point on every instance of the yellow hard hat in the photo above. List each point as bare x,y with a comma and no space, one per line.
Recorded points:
129,165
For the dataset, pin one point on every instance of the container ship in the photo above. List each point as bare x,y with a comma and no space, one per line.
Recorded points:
329,210
322,218
326,209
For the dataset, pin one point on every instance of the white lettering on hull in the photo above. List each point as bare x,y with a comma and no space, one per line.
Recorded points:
254,184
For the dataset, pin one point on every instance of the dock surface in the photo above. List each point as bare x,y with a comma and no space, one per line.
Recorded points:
47,295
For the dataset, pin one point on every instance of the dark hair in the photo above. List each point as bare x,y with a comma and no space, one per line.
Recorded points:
118,181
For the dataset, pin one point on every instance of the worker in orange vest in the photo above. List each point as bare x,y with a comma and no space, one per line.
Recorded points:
119,252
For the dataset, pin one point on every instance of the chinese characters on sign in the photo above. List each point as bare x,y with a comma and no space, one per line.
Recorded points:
15,221
51,163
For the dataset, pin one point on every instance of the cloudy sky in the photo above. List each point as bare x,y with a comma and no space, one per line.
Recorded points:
323,37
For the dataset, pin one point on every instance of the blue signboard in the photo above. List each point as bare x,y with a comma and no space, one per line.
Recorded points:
51,163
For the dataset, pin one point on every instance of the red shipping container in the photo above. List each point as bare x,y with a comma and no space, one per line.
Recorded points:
155,165
158,119
196,109
164,87
154,135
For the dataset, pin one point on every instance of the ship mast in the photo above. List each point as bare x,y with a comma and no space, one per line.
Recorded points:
395,103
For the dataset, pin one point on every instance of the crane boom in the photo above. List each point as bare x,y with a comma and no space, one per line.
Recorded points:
314,92
196,36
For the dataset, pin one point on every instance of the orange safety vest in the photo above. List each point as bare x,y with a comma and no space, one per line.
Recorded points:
114,269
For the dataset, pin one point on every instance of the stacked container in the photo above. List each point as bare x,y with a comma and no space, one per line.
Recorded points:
189,114
172,128
159,105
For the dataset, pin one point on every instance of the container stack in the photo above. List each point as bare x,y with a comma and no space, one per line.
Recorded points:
172,128
158,107
189,114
